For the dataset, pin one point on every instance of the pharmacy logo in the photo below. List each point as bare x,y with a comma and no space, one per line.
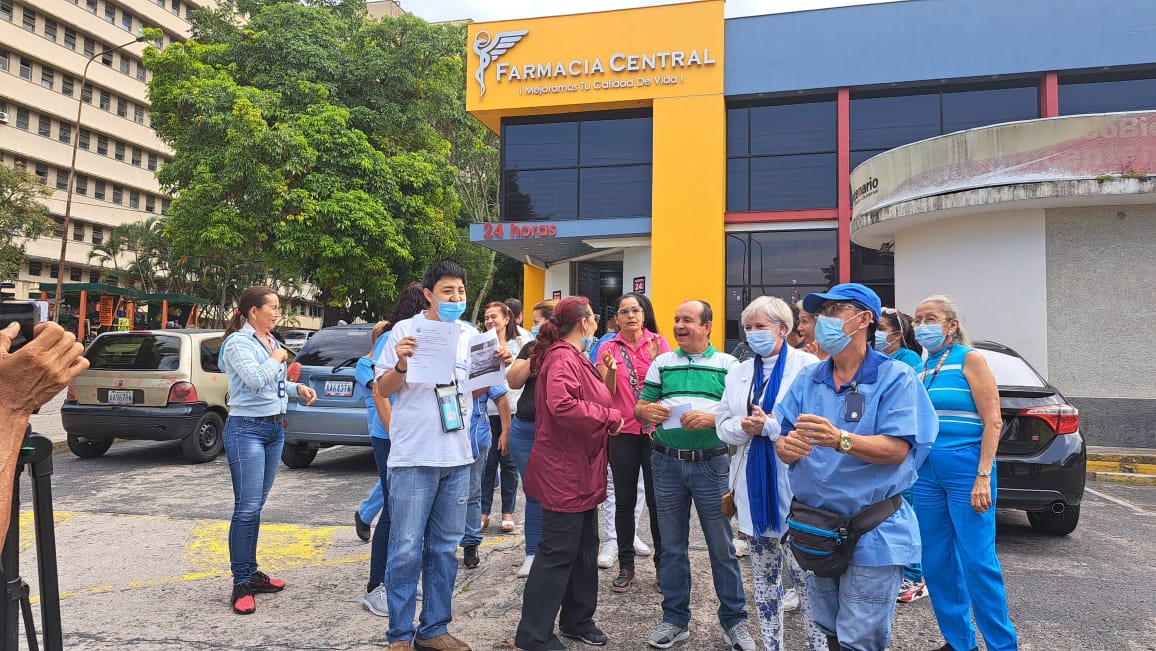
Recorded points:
489,50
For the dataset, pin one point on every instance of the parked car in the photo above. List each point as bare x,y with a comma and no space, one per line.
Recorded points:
153,385
1041,459
326,363
295,339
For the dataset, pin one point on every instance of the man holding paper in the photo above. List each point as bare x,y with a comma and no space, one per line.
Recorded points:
426,362
689,463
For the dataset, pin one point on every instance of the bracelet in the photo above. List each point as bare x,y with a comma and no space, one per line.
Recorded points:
399,370
983,473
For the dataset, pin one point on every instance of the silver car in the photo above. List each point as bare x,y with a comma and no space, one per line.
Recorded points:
295,339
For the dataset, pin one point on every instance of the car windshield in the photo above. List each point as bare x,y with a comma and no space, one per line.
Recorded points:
1011,371
332,346
135,352
296,334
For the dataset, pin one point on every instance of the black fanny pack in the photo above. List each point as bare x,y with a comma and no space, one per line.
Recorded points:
823,541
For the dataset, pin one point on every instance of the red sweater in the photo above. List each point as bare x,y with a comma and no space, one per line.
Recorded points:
567,468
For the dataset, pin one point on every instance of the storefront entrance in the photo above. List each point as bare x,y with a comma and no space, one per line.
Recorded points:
601,282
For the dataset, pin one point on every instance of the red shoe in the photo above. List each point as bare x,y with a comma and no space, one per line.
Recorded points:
243,601
262,582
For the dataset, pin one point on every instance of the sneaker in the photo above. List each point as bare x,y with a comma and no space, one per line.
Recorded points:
376,602
401,645
790,599
640,547
243,601
667,635
443,642
524,571
741,548
623,581
262,582
360,526
470,557
607,556
592,636
739,638
912,590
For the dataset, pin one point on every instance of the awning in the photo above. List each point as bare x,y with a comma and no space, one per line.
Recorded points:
113,290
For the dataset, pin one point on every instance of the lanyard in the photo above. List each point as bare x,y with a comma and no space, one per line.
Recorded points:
927,383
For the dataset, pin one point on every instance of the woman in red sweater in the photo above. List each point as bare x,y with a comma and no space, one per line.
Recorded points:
567,475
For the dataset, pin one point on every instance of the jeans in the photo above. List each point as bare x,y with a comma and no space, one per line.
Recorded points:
857,607
768,559
373,503
963,573
379,548
473,533
564,576
676,485
521,442
253,448
630,453
509,476
426,504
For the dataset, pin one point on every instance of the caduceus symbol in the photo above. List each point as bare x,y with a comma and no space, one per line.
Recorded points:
489,49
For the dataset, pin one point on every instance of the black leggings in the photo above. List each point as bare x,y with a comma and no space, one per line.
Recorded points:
628,453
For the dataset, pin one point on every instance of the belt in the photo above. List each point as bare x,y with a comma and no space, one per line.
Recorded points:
691,455
275,418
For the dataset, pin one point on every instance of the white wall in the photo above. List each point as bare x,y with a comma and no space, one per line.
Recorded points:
994,265
558,279
635,263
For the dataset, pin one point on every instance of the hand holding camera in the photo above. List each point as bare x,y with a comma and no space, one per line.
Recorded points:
42,367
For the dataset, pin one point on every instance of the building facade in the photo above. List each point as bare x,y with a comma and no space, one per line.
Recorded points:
668,150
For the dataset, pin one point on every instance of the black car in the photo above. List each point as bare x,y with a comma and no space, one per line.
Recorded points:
1041,459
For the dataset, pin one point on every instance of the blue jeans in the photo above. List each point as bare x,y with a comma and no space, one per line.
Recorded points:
372,504
379,548
509,477
521,442
857,607
473,534
676,484
253,448
427,510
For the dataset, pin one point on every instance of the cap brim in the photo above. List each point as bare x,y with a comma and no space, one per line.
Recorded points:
814,302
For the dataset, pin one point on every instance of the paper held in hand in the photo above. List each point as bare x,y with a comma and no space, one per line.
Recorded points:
676,413
437,347
486,367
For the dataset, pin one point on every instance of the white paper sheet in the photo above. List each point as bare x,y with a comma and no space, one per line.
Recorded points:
676,412
437,350
485,367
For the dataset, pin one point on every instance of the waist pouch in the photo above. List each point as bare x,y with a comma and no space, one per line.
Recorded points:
823,541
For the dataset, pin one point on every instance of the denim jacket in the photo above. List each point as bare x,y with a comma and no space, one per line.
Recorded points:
253,375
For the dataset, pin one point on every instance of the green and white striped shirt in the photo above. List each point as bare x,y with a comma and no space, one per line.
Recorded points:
676,378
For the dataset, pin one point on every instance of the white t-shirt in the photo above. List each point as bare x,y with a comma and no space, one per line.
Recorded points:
512,395
415,429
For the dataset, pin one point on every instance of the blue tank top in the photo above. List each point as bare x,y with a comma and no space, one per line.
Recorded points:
908,357
959,421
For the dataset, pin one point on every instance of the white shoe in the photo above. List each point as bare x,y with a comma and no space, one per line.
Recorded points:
524,571
375,602
741,548
640,547
790,599
606,558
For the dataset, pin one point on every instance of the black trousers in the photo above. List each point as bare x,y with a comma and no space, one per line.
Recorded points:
628,454
564,576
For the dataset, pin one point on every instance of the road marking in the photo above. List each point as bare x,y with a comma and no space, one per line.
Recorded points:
1127,505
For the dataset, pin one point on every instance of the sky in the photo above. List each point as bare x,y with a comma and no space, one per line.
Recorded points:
485,10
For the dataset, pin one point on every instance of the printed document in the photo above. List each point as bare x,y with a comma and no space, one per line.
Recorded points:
437,350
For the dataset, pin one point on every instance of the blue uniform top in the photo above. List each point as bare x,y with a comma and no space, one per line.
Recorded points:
363,373
593,352
959,421
480,420
908,357
894,405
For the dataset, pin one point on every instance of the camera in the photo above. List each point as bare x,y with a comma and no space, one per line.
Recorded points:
28,314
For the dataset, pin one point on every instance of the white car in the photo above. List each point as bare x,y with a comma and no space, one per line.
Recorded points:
295,339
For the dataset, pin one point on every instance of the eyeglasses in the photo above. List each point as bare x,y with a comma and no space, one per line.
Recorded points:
628,311
834,309
593,316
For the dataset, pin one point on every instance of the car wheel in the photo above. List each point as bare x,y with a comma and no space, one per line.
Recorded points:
205,442
1056,524
298,455
87,448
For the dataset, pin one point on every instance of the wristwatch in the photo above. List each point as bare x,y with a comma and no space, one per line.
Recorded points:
983,473
844,441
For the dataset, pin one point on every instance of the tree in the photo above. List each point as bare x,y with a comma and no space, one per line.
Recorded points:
22,216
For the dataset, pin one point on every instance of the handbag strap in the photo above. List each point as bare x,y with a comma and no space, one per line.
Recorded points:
874,515
735,478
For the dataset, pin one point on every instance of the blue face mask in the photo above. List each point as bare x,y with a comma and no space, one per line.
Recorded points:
930,336
534,331
763,342
451,311
881,342
829,333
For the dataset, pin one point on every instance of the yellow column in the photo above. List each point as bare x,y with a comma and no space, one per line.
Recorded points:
688,254
533,290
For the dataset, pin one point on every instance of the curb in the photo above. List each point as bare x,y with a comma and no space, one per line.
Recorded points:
1122,478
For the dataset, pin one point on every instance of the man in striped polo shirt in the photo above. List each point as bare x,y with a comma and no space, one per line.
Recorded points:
689,463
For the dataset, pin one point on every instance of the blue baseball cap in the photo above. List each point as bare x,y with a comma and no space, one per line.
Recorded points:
852,292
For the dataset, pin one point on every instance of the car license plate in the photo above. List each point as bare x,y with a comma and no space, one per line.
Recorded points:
338,389
120,397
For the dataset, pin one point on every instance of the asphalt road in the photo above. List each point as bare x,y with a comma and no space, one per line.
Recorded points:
144,565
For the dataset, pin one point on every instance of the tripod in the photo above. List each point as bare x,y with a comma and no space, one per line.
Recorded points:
36,453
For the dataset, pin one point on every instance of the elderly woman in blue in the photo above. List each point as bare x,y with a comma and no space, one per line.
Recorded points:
856,428
762,493
954,496
254,364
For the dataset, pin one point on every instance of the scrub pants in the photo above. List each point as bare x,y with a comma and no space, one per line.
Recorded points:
962,571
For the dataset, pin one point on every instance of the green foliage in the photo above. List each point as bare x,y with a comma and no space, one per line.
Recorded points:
21,216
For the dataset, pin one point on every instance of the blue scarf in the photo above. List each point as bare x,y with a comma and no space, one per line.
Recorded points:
762,469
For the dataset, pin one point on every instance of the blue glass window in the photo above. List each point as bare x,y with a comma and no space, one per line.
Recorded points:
541,195
797,182
531,146
886,122
616,142
980,108
792,129
610,192
1108,96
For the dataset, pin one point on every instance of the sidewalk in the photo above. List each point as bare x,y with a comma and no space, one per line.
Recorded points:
1122,465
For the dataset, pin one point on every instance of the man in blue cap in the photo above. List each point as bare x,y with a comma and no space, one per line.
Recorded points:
857,427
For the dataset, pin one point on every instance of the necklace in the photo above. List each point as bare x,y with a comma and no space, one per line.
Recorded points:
926,382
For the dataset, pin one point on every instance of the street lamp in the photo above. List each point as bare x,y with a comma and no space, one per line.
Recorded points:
72,175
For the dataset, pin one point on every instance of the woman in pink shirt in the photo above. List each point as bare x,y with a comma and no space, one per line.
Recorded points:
623,362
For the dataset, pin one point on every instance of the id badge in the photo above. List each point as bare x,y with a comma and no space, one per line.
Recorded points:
450,408
281,388
855,405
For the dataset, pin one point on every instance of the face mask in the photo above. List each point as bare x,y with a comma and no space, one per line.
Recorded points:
930,336
829,333
451,311
534,331
763,342
881,342
588,342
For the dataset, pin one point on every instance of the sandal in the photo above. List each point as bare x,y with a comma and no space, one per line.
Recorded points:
485,521
507,523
